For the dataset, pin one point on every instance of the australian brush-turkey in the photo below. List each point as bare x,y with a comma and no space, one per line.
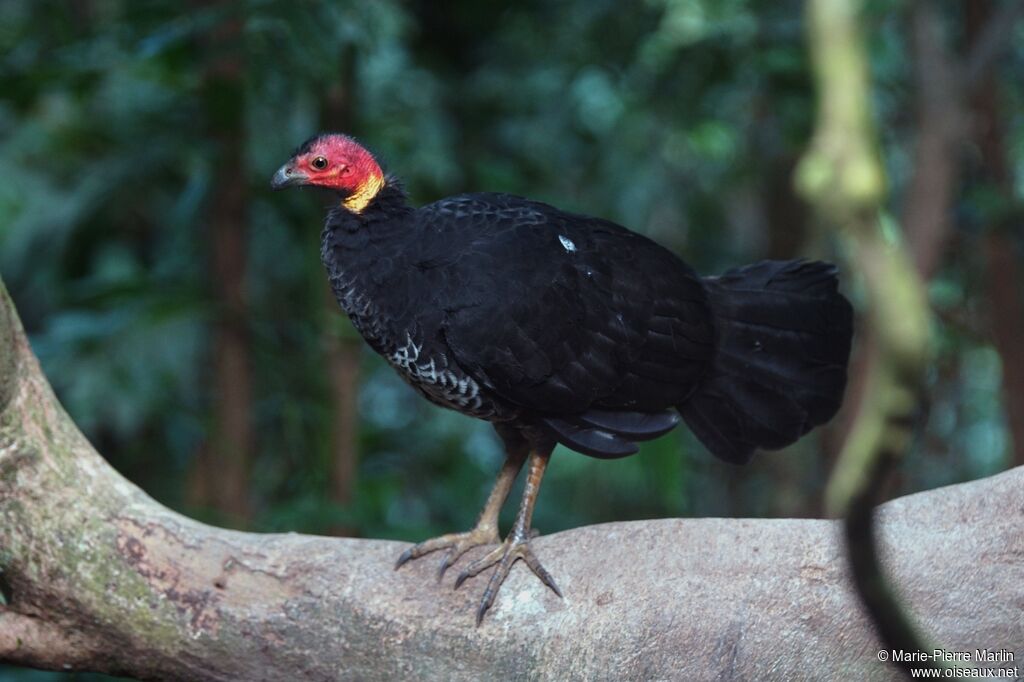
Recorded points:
563,328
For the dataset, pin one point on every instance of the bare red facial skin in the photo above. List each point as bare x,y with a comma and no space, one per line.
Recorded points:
338,162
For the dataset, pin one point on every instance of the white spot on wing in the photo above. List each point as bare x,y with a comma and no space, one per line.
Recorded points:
567,243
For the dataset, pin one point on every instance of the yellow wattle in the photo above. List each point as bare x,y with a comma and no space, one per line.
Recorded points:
364,194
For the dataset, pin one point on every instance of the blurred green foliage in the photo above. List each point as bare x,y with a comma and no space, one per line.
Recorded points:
678,118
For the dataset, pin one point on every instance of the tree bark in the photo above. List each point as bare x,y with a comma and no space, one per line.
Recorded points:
1006,320
1001,252
927,210
341,341
220,476
98,576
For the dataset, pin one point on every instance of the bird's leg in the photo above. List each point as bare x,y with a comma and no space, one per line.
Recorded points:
517,544
486,530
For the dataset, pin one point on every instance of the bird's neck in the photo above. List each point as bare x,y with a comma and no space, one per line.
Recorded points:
386,209
361,251
381,220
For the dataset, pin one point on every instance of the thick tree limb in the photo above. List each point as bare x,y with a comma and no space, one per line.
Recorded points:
101,577
44,644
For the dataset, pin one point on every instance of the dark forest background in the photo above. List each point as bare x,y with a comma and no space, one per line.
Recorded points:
180,310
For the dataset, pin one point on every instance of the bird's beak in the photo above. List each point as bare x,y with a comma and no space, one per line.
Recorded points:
288,176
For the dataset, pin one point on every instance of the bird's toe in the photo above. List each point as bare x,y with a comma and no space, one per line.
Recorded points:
457,544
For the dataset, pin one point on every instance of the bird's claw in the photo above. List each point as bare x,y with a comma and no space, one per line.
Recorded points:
516,546
457,544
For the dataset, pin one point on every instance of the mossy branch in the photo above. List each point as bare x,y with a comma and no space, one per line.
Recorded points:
841,175
100,577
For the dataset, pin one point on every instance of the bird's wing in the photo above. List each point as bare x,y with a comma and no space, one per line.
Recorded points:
560,314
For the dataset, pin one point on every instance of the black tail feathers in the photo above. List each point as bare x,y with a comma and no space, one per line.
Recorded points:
609,434
780,369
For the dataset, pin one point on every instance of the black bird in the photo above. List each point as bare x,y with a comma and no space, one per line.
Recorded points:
563,328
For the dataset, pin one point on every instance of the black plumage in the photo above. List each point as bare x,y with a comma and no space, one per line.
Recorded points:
571,323
567,328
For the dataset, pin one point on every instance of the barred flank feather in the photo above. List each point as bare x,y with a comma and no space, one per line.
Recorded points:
780,366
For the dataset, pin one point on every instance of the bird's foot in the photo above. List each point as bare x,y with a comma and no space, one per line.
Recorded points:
516,546
457,544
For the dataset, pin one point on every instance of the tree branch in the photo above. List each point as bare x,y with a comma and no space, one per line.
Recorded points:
36,642
100,577
842,176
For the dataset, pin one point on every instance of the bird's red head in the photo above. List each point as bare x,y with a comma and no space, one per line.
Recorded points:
335,161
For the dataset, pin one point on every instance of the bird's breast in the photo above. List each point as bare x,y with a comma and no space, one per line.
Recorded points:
391,303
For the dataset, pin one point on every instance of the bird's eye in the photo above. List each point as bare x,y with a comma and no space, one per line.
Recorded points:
319,163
